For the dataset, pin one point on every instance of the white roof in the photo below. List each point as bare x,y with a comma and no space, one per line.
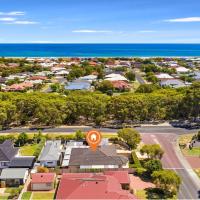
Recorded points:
182,69
62,72
54,69
89,77
115,77
163,76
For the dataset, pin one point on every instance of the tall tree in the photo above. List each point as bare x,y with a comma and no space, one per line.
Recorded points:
130,136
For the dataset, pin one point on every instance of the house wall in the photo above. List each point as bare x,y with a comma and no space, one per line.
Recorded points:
4,165
42,186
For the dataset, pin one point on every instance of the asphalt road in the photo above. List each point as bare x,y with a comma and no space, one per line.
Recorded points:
146,129
163,135
139,78
189,188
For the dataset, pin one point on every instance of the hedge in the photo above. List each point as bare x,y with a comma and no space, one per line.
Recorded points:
136,161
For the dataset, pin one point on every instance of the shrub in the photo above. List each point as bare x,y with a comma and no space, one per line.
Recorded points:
140,171
136,161
41,169
39,148
153,165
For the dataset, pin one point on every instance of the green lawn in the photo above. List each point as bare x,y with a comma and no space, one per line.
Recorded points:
42,195
4,197
28,150
141,194
194,151
26,195
184,140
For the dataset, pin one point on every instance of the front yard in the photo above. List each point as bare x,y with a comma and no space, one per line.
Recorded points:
38,195
184,140
42,195
28,150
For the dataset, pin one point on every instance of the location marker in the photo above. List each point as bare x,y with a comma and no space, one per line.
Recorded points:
93,138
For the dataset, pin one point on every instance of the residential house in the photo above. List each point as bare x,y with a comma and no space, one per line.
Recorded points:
22,162
174,83
51,154
91,186
13,177
121,176
115,77
7,153
196,75
33,78
164,76
121,85
68,149
19,87
62,73
2,80
42,181
78,85
105,157
89,78
182,70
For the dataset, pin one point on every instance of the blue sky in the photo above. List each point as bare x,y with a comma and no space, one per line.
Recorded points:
99,21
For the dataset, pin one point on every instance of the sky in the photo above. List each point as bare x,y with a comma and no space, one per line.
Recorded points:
99,21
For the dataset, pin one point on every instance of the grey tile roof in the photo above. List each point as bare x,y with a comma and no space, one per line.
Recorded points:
13,173
51,151
22,162
7,151
105,155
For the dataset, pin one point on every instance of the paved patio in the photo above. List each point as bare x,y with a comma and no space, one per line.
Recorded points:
138,184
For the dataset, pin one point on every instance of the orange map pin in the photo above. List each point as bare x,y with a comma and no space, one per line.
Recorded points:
93,138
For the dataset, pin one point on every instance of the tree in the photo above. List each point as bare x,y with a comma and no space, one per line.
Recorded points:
153,151
79,135
37,137
153,165
198,135
22,139
105,86
167,180
147,88
130,136
130,76
191,101
55,87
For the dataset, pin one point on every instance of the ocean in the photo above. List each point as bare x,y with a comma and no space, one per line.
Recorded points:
99,50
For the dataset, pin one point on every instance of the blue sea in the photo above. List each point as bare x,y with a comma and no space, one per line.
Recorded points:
99,50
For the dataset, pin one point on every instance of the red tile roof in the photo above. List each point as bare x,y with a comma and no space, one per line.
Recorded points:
43,177
38,78
121,176
120,84
91,186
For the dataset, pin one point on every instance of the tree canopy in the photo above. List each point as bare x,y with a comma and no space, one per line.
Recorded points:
167,180
153,151
130,136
